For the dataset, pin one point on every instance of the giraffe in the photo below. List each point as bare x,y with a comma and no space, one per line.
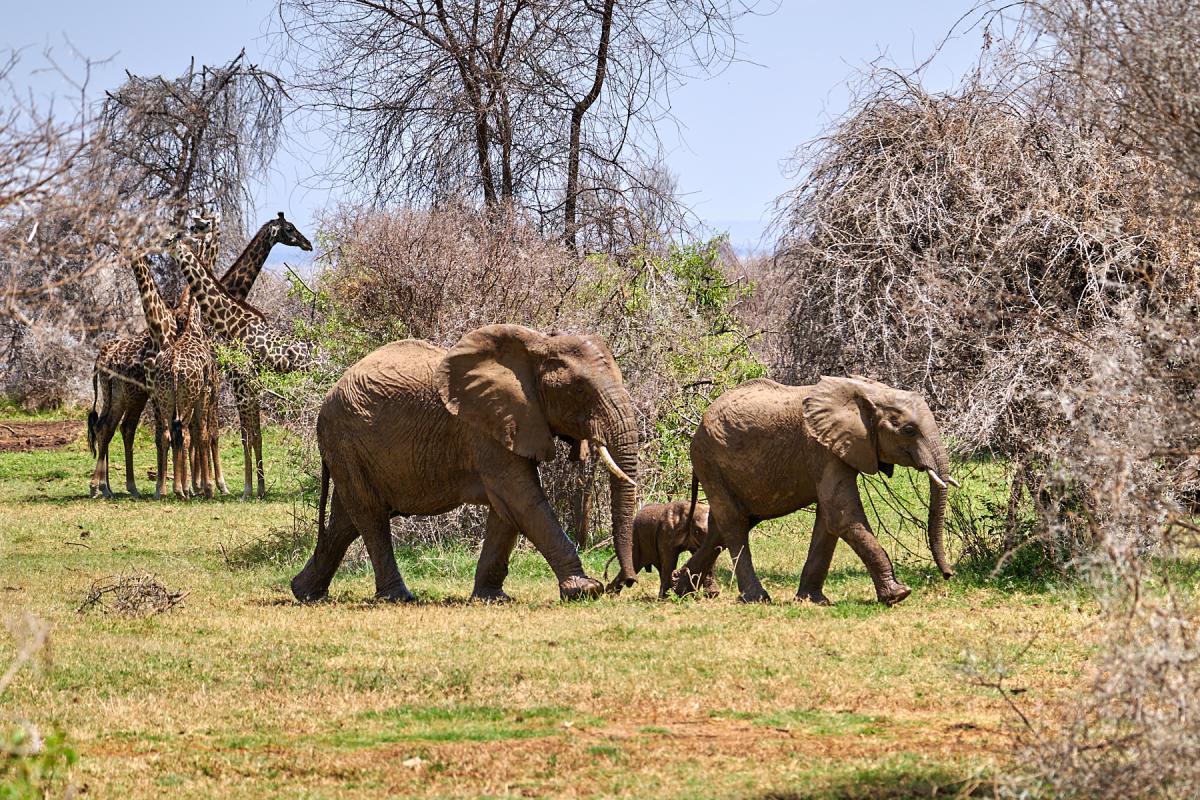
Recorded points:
120,383
184,371
237,321
209,242
238,280
163,331
178,371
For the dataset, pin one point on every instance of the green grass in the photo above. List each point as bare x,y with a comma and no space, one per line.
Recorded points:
241,692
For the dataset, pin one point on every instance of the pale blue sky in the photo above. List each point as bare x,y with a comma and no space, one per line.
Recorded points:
735,130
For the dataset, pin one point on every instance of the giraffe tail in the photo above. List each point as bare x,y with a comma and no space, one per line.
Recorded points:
93,417
322,502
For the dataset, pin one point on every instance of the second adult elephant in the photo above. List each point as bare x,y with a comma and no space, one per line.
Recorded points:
418,429
764,450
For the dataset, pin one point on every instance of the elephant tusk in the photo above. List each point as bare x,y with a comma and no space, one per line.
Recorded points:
933,476
612,467
953,482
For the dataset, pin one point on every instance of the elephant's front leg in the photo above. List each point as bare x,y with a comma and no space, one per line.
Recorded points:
515,493
816,566
498,544
839,496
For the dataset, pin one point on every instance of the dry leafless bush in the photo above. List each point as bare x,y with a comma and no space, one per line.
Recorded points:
977,247
1129,454
437,275
137,595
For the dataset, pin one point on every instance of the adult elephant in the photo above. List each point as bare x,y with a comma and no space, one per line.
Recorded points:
418,429
764,450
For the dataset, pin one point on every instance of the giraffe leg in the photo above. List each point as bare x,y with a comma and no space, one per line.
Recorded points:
129,427
180,439
214,447
101,429
258,457
161,444
202,443
194,458
247,452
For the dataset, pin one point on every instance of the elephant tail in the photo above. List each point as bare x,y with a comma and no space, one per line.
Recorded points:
692,508
323,501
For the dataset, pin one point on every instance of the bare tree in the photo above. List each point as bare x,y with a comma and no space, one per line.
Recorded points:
60,226
548,104
198,139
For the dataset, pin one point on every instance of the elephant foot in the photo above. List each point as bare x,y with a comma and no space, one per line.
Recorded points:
307,594
757,595
710,586
814,596
580,587
400,595
683,582
893,593
306,597
618,583
490,596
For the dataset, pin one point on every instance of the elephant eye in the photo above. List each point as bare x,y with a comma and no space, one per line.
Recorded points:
909,430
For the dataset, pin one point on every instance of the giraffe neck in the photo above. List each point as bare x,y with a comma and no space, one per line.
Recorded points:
228,317
234,320
159,318
239,279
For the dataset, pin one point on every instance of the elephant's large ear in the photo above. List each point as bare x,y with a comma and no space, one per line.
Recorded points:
839,414
488,379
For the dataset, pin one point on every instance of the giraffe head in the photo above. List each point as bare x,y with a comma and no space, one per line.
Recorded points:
284,232
204,229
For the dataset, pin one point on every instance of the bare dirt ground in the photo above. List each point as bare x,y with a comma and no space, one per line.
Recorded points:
29,435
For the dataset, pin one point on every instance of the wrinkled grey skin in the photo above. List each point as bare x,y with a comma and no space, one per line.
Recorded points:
661,532
418,429
764,450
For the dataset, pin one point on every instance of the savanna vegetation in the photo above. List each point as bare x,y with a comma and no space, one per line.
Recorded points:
1019,250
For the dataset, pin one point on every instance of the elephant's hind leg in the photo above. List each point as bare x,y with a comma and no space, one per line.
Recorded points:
816,566
375,527
498,544
312,582
735,531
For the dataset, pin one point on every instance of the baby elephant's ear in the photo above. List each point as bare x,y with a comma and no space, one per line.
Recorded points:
840,416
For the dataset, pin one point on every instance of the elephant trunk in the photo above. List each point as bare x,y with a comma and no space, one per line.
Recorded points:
937,509
620,434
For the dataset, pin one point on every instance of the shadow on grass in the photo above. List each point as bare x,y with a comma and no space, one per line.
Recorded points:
891,783
38,498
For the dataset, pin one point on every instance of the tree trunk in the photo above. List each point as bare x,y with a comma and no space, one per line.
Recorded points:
570,224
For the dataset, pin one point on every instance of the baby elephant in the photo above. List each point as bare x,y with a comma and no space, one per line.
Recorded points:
661,532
